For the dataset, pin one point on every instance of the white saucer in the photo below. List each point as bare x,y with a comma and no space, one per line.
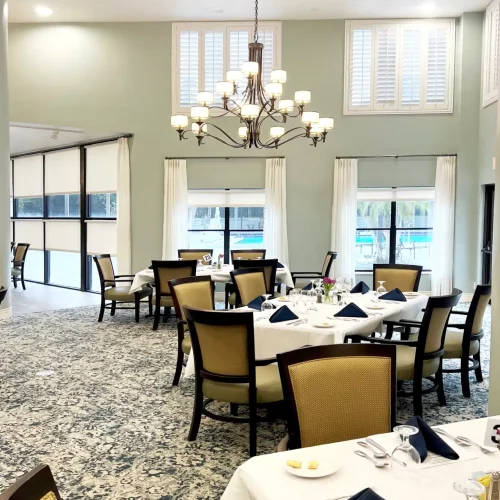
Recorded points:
324,324
325,468
283,299
410,294
375,307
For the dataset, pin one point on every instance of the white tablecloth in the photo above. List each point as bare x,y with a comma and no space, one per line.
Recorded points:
272,338
283,275
265,478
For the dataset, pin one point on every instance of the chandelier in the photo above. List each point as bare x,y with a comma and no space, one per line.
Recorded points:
257,105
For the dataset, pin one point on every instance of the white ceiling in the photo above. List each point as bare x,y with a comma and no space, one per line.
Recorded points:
214,10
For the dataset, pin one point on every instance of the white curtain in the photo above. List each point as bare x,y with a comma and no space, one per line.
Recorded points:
275,225
444,226
123,230
345,188
175,211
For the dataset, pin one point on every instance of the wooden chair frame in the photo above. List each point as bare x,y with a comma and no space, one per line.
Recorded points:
180,322
234,253
201,250
123,278
19,264
3,293
33,486
224,318
408,267
315,274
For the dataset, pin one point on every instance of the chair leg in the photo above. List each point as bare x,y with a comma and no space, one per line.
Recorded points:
440,388
253,430
101,312
113,308
197,411
178,367
156,321
464,376
417,397
137,307
15,282
226,301
478,370
166,314
22,280
234,409
150,304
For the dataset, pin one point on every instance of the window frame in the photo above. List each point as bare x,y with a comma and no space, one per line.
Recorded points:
225,28
398,109
489,96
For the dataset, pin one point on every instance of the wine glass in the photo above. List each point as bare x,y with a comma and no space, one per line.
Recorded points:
318,283
381,289
199,266
405,452
294,296
266,305
471,489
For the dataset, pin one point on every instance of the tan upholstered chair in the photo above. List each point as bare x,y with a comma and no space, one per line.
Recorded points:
112,291
197,292
195,254
226,369
402,276
325,270
38,484
463,340
337,393
422,356
249,283
17,271
165,271
247,254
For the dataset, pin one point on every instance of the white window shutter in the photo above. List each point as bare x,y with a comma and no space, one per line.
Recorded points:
361,68
411,65
189,67
491,53
213,56
438,40
238,52
268,64
386,60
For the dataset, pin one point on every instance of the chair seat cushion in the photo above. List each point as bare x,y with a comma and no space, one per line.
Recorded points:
268,388
122,293
15,271
186,345
166,302
453,344
405,360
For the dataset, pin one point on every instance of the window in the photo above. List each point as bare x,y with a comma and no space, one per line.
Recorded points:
29,207
226,220
399,67
394,226
491,53
102,205
203,52
63,205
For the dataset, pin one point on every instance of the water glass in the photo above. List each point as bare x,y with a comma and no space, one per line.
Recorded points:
471,489
312,298
405,452
266,305
381,289
294,296
199,266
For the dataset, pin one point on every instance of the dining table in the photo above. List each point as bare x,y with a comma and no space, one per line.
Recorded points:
321,327
223,275
268,477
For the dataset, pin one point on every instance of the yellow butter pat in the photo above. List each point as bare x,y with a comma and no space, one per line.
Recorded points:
313,464
294,464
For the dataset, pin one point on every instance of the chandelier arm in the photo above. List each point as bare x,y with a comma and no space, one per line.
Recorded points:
271,115
224,132
236,145
291,139
226,112
263,144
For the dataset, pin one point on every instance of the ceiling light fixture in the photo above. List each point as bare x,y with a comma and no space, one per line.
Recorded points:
256,105
42,11
428,8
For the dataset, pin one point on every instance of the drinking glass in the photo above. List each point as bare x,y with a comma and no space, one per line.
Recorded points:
381,289
294,296
405,452
471,489
199,266
312,297
318,283
266,305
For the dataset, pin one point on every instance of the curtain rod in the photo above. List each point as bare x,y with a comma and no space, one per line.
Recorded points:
222,157
392,156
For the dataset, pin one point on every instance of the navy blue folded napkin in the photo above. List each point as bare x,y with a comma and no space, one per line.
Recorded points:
280,265
308,287
428,440
150,267
366,494
395,294
351,311
361,287
283,314
257,303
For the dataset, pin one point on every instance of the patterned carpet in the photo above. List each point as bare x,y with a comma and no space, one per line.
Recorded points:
108,421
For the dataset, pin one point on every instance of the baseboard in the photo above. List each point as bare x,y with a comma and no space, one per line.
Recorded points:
6,313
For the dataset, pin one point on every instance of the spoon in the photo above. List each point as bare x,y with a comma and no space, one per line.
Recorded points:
448,435
470,442
379,465
376,453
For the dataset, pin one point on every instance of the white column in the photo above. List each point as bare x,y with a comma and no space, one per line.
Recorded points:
5,307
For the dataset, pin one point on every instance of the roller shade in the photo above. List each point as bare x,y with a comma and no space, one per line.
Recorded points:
62,236
30,231
101,237
399,194
62,172
102,163
28,177
231,198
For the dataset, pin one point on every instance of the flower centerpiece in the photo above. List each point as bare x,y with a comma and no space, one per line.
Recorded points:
219,261
328,285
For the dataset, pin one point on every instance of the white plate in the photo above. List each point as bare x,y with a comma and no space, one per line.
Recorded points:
375,307
324,324
283,299
410,294
325,468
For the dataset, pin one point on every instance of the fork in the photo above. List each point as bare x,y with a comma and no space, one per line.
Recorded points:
473,443
461,442
301,322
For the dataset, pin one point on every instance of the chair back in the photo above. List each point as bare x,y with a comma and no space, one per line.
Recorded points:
167,270
196,292
250,283
248,254
223,345
402,276
105,269
327,265
269,267
12,245
3,293
477,308
196,254
38,484
338,392
20,253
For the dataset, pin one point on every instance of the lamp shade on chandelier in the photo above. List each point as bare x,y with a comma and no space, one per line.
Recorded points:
258,106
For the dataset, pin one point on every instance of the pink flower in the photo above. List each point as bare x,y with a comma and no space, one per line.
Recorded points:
221,255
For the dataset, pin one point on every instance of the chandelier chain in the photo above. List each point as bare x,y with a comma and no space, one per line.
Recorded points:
256,31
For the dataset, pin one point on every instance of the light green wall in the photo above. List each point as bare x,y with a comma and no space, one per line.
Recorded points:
487,143
117,77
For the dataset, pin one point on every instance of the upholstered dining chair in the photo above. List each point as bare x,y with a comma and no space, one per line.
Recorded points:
195,254
337,392
165,271
112,291
226,369
325,270
197,292
402,276
422,355
18,264
247,254
37,484
463,340
269,266
249,284
3,293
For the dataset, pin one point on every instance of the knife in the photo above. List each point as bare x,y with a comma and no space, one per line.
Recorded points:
383,450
